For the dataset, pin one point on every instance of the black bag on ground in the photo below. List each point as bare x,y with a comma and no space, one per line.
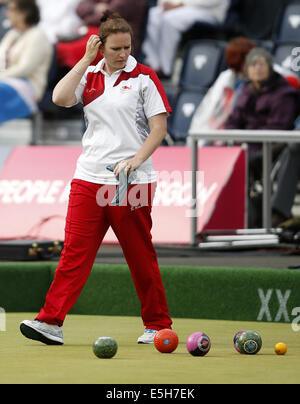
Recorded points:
30,250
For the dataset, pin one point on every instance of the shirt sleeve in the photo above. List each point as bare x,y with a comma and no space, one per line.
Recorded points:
155,99
79,91
80,88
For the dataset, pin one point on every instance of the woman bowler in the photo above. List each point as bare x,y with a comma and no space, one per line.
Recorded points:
122,99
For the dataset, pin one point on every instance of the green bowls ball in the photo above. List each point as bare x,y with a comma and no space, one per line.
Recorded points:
247,342
105,347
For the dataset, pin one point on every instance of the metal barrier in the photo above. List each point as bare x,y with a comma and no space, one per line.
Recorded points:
266,137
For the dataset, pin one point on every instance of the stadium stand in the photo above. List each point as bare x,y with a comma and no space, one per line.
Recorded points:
287,56
185,106
4,24
55,125
229,28
287,27
202,63
275,28
258,18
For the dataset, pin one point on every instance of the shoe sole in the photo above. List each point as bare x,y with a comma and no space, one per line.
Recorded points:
33,334
145,343
141,342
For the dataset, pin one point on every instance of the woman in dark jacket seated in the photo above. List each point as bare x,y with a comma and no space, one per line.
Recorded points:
267,101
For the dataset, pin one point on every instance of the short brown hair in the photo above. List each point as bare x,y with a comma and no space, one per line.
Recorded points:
30,9
113,23
236,52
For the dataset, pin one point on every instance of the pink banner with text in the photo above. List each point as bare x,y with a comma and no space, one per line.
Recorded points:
35,183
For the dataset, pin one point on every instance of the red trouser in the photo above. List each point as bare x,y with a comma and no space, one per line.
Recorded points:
86,226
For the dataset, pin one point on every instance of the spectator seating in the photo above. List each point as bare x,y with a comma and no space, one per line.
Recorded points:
4,23
230,26
266,44
258,17
203,60
48,111
149,4
287,55
288,24
37,119
184,108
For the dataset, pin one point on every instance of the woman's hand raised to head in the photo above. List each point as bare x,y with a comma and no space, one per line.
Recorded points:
92,48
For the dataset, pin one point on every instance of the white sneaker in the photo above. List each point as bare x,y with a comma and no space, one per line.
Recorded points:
147,337
46,333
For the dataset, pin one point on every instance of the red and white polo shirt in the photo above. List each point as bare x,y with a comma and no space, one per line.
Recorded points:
117,109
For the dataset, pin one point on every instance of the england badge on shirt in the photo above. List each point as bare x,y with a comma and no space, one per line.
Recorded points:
125,89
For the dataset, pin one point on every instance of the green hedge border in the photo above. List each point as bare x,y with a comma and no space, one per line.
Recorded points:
192,292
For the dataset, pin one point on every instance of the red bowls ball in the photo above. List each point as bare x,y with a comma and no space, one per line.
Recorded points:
166,341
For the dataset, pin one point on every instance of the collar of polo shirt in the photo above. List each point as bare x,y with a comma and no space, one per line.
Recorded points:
129,67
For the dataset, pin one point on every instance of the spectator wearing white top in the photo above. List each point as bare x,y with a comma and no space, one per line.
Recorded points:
59,19
25,58
169,20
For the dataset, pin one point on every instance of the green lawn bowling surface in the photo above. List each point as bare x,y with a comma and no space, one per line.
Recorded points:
25,361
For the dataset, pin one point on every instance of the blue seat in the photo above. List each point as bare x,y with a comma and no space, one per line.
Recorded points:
287,55
184,108
203,60
266,44
47,109
259,17
288,24
4,23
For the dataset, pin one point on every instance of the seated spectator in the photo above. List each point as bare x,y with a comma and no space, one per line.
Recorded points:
267,101
90,13
25,57
220,99
287,180
169,20
59,19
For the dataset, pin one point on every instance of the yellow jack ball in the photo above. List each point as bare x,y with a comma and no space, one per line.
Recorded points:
280,348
